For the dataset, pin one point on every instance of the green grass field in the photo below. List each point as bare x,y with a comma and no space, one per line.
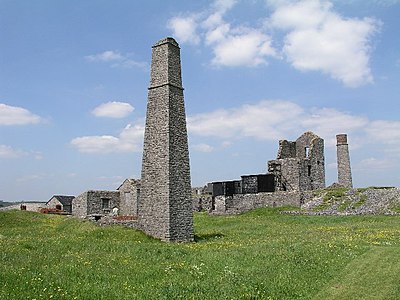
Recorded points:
258,255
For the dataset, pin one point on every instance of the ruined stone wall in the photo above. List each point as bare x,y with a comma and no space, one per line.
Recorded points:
165,204
310,149
317,162
290,174
29,206
91,202
95,199
203,203
244,202
79,205
287,175
287,149
300,165
129,195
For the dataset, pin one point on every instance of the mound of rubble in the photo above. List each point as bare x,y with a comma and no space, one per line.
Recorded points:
362,201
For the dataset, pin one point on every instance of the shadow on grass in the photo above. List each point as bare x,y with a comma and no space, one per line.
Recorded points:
207,237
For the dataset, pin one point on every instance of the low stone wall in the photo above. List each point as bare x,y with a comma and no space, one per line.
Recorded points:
28,206
202,203
240,203
320,202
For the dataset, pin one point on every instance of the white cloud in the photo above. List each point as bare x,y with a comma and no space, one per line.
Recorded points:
116,59
9,152
13,115
217,34
184,29
325,41
328,122
290,15
248,48
129,140
266,120
203,148
384,3
278,119
37,155
316,38
105,56
224,5
385,131
235,46
272,120
232,46
374,164
33,177
113,110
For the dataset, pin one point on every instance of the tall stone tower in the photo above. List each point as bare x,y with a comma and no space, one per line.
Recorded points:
343,161
165,205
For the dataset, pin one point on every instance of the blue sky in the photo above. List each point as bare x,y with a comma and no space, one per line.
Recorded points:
74,78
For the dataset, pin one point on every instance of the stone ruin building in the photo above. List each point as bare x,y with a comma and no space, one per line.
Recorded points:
300,165
96,204
298,168
60,202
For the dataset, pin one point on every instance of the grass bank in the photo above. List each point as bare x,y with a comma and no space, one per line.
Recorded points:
257,255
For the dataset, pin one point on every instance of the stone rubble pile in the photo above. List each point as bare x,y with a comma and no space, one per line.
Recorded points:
384,201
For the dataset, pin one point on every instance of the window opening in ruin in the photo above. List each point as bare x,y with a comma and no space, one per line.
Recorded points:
105,203
309,170
307,150
58,206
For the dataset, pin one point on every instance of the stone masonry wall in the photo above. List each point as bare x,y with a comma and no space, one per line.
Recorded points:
94,201
300,165
343,161
79,205
165,205
286,171
91,202
240,203
287,149
53,202
129,194
312,168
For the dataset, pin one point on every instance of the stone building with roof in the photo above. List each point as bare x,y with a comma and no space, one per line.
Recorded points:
60,202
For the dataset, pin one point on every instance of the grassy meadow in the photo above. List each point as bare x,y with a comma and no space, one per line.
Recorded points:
258,255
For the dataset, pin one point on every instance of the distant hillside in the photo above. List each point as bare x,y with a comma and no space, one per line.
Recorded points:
4,203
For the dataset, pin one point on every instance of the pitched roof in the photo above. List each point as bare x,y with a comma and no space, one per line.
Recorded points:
65,200
131,181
